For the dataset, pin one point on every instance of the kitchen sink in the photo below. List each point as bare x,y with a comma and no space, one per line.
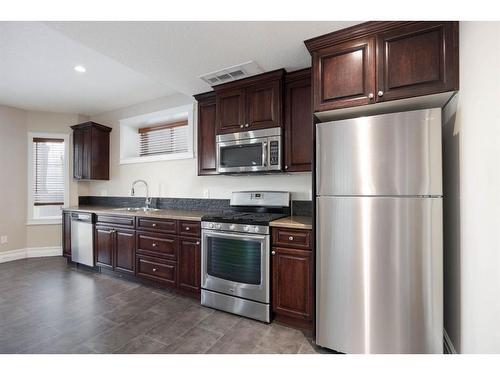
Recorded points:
137,209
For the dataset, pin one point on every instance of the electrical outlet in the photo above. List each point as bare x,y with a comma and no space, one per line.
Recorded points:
206,193
4,240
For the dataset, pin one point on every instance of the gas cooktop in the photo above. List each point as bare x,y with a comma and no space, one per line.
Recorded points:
254,218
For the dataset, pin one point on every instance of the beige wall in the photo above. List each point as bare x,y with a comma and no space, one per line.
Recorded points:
471,140
13,177
178,178
14,127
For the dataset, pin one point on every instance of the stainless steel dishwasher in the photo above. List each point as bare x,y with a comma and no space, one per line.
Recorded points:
82,238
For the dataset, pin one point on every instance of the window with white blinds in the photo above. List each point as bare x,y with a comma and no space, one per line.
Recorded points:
167,138
48,170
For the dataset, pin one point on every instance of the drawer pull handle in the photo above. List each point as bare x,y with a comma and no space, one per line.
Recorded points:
154,244
273,252
154,225
290,238
154,269
187,228
197,242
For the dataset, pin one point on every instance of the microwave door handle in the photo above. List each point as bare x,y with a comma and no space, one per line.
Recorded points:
264,154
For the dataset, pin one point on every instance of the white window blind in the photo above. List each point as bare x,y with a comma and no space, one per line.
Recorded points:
48,163
168,138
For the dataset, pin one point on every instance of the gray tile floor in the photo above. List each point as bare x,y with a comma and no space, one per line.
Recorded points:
47,306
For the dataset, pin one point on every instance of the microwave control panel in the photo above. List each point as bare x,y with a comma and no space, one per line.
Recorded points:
274,152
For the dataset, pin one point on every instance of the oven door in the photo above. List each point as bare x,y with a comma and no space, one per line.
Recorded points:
247,155
236,264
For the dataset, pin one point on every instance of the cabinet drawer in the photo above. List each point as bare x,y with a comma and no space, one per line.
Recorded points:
157,269
161,225
123,221
292,238
157,245
190,228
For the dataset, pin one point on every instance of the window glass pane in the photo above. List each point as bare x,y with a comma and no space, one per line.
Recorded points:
48,177
241,155
234,260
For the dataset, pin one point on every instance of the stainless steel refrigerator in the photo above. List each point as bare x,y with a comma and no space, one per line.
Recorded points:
379,270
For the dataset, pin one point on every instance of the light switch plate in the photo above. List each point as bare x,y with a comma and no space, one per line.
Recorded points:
4,240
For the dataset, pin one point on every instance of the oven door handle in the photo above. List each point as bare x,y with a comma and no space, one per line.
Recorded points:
241,236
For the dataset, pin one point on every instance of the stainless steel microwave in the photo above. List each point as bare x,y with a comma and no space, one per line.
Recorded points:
252,151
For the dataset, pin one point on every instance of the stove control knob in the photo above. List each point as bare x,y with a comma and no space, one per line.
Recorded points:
211,225
217,226
232,227
246,228
256,229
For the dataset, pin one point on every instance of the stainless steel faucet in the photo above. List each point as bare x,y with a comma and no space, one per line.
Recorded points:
148,199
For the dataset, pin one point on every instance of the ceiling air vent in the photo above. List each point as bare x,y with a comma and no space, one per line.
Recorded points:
232,73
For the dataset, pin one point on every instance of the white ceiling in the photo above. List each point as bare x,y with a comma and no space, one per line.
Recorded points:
131,62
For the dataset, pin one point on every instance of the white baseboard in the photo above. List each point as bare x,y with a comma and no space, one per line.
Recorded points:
448,344
30,252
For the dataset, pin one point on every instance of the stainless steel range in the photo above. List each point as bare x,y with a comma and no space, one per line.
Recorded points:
235,255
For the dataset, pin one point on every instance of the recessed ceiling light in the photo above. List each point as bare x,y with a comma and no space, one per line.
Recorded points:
80,69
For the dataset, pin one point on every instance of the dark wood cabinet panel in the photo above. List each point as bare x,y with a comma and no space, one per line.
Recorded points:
156,269
190,228
263,105
298,122
66,234
417,59
113,220
124,250
383,61
91,151
158,245
206,134
230,111
298,238
168,226
189,265
103,246
344,75
292,283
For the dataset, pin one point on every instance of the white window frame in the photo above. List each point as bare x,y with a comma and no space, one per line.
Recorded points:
53,220
129,136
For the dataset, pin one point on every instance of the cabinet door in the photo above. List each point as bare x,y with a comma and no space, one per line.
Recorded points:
206,137
230,111
298,125
189,265
124,250
292,282
77,154
99,161
344,75
66,234
263,105
87,154
104,238
417,59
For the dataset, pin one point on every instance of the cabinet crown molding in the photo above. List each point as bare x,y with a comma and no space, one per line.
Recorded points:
90,124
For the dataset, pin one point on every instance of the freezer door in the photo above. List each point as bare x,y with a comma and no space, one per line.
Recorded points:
379,286
392,154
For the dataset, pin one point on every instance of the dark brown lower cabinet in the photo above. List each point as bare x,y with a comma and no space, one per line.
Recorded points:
189,265
115,248
292,272
66,234
157,269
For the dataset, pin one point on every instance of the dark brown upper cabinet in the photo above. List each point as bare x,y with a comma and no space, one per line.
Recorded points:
298,121
90,151
206,133
344,74
382,61
417,59
250,104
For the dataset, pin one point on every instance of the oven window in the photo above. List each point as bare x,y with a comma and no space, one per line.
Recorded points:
234,260
248,155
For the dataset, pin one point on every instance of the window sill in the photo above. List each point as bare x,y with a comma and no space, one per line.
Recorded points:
150,159
45,222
